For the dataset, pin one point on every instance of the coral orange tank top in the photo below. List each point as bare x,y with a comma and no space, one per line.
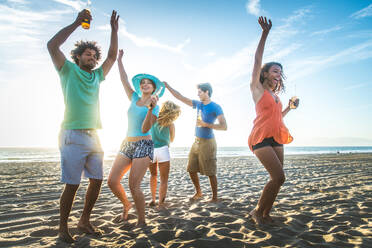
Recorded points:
269,122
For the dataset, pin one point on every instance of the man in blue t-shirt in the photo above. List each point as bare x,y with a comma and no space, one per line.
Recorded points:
78,141
202,156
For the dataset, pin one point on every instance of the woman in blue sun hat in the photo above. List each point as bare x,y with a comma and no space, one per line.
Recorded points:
136,151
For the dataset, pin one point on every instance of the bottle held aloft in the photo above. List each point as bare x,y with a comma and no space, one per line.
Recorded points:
86,22
158,91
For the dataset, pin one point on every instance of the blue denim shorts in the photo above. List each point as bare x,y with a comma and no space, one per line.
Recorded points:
80,152
137,149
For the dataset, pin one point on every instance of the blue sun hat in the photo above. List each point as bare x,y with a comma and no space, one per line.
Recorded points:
136,80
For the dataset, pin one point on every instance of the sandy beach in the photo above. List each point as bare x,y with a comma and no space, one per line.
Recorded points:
326,201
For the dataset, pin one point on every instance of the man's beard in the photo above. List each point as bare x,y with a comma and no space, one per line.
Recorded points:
88,66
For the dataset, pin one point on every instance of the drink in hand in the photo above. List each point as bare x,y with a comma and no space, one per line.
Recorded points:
199,117
293,102
86,22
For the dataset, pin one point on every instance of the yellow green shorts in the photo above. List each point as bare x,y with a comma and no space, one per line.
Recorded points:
202,157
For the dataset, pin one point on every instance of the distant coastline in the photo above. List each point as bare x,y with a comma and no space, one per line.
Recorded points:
33,154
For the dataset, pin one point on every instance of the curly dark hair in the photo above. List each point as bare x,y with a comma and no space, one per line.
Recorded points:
265,68
80,47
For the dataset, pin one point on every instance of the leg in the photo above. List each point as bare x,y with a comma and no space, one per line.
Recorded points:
153,182
120,166
213,182
139,168
67,198
164,174
280,153
193,168
272,164
90,199
208,163
195,180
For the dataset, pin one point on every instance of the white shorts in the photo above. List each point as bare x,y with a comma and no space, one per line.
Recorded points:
161,154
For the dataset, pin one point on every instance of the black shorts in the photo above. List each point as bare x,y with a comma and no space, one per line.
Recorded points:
266,142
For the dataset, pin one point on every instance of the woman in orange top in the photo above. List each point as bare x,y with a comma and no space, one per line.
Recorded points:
269,132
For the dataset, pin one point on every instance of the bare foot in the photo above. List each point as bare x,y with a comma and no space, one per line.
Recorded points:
268,219
214,200
88,228
196,197
141,224
162,206
256,217
152,204
126,211
66,237
124,216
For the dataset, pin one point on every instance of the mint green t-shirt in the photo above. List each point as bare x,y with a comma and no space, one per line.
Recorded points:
81,96
160,136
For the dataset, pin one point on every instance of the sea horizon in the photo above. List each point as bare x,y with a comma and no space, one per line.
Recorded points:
51,154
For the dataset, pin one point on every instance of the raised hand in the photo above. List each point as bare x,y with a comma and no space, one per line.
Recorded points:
114,21
153,101
121,53
165,84
265,25
84,14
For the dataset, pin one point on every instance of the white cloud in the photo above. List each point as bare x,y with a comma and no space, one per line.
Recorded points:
19,39
306,66
148,41
367,11
355,86
210,54
29,27
12,15
326,31
227,69
77,5
18,1
253,7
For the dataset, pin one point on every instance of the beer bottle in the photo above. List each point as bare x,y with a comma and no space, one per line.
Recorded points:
199,116
293,102
86,22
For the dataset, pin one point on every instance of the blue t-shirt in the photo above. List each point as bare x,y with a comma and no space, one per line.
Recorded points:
136,116
160,135
209,114
81,96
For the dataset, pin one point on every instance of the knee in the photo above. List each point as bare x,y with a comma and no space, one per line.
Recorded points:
279,180
95,182
164,179
112,184
134,188
154,173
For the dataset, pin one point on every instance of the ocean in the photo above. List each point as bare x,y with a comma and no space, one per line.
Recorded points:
28,154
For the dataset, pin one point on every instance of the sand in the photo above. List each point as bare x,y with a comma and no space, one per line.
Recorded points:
326,201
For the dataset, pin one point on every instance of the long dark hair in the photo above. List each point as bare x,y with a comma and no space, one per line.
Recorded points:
265,68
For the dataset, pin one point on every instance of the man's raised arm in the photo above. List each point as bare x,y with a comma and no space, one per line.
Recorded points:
178,95
56,54
113,50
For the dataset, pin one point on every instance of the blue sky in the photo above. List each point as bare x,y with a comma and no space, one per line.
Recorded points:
324,46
